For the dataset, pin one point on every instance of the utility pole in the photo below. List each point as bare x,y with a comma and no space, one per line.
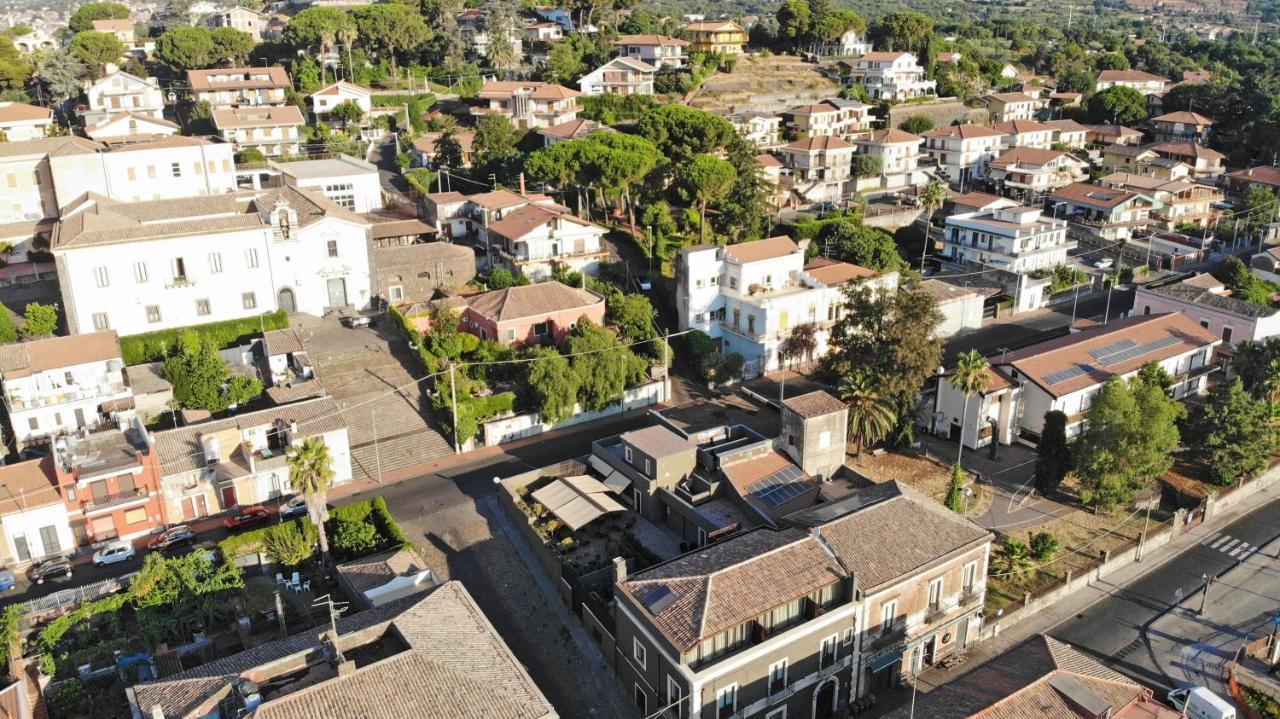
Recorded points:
1204,596
453,393
1146,522
335,608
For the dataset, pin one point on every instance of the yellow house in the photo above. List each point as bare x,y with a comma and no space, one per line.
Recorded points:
723,37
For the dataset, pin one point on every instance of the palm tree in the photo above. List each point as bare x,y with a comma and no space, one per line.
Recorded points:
1014,559
969,378
871,414
931,198
311,472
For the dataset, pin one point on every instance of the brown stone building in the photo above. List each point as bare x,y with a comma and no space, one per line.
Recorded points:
413,272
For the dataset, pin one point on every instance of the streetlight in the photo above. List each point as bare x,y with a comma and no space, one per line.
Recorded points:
1204,596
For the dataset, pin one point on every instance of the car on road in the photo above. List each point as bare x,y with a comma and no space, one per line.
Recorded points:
172,539
8,580
1105,263
246,518
1200,703
113,552
49,569
295,507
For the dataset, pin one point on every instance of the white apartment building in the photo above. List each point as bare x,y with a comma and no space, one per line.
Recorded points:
205,259
899,154
33,513
1068,133
851,44
1067,373
241,461
326,98
128,127
963,151
1025,133
460,217
349,183
241,18
274,130
58,385
120,92
1007,106
20,121
835,117
619,76
239,86
1143,82
657,50
891,76
529,104
821,167
1028,173
40,176
532,239
750,295
1016,239
762,129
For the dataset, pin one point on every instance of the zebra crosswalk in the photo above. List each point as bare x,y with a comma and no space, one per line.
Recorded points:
1230,546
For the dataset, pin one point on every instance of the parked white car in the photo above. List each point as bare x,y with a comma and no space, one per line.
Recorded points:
1104,264
1200,703
113,552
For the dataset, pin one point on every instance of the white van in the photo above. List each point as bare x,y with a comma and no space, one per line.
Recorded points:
1200,703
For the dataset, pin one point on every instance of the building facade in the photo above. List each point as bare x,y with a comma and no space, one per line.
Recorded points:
619,76
657,50
891,76
239,86
1016,239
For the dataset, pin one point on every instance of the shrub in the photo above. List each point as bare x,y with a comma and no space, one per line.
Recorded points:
150,346
1043,546
288,544
355,539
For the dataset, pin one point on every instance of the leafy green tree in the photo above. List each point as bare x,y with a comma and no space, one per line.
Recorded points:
449,151
1119,104
355,538
494,148
681,132
500,22
1232,433
564,62
847,239
82,19
969,377
657,216
1258,208
61,73
250,155
633,315
794,20
1153,374
231,46
872,416
1053,454
916,124
903,30
830,25
501,278
311,473
800,343
867,165
706,179
391,27
1043,546
1244,284
857,92
347,112
202,380
1258,366
955,490
15,70
1127,443
289,545
41,320
8,330
890,337
186,48
1013,559
745,212
553,384
318,28
602,365
96,49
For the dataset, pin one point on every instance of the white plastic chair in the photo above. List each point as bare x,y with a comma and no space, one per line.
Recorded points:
296,579
306,586
280,579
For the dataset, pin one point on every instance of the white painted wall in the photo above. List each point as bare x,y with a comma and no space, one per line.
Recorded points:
28,524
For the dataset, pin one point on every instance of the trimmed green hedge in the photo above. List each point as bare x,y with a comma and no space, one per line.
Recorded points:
251,542
373,510
151,346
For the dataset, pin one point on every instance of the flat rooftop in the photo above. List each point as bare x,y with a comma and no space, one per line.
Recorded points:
329,167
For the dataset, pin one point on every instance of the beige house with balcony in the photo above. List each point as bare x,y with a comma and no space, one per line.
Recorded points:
274,131
722,37
1027,173
1205,163
899,154
1006,106
821,167
241,18
1105,212
239,86
657,50
619,76
962,152
1184,200
894,76
532,240
834,117
528,104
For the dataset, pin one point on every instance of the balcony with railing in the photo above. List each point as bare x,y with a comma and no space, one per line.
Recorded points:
98,503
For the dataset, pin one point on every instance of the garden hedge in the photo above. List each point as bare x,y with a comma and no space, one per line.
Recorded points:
152,346
372,510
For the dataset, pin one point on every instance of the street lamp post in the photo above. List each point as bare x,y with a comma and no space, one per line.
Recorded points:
1204,596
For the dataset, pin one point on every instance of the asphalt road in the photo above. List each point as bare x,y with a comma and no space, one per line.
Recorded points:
1115,629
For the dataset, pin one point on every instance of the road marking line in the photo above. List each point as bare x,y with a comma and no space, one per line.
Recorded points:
1244,547
1249,554
1212,537
1218,543
1227,547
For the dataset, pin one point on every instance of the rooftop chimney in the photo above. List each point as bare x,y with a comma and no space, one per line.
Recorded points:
619,570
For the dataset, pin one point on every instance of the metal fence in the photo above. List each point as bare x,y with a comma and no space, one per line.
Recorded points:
66,600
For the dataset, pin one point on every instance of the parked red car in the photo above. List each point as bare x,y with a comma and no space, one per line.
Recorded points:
246,518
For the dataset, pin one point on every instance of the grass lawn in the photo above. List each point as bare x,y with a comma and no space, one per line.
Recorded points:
922,474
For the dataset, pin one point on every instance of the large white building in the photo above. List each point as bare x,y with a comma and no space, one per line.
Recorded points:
274,131
20,121
751,295
41,176
962,152
899,154
821,167
1017,239
350,183
58,385
205,259
891,76
120,92
533,239
657,50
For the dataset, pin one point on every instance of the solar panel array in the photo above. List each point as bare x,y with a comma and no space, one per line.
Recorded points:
1136,351
781,486
658,600
1099,352
1069,373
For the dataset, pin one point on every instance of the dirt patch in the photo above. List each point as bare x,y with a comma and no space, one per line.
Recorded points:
766,83
920,473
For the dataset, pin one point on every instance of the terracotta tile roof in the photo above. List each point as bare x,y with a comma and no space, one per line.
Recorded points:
337,88
742,475
27,485
650,40
1119,131
765,249
426,142
1094,195
768,161
981,200
1008,97
1167,335
531,301
1205,291
818,143
420,254
945,291
1262,174
499,199
520,222
265,116
1184,116
238,78
814,108
22,112
815,404
1027,156
140,118
1128,76
1020,684
161,143
282,342
964,132
113,25
59,146
710,25
657,441
378,569
1187,149
580,127
1127,151
882,56
891,136
554,92
833,272
442,198
22,359
1070,96
180,449
1017,127
147,378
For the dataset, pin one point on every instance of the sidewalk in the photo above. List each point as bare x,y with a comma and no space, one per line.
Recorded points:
1050,618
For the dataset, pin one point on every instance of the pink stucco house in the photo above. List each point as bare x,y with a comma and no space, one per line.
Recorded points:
519,315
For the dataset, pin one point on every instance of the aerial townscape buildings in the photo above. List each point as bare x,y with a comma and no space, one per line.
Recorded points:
642,361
